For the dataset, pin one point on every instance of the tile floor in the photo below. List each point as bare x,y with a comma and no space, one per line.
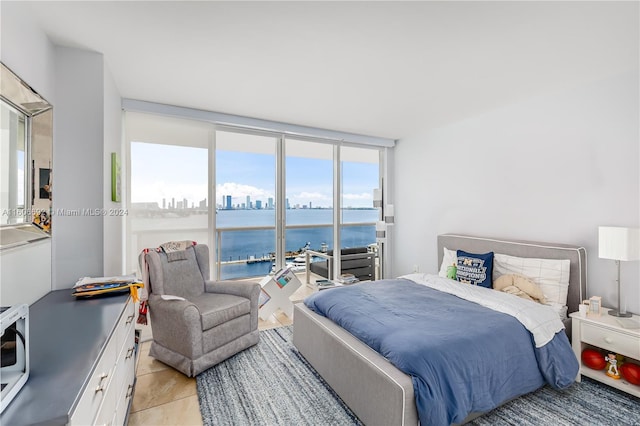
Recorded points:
164,396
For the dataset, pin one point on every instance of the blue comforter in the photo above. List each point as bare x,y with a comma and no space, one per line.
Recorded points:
462,357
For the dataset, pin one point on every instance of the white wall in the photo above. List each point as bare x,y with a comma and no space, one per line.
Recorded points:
27,51
25,273
78,166
113,142
87,128
549,169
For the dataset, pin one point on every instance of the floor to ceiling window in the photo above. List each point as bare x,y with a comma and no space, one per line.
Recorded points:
309,199
272,195
245,187
360,176
168,177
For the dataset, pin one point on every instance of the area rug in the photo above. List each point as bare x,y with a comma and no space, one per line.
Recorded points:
272,384
269,384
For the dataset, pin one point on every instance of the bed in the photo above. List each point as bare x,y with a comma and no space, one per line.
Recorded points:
377,391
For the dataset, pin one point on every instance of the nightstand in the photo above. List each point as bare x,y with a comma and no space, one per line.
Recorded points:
605,333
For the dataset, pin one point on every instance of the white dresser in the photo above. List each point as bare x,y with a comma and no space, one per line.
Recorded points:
605,333
83,356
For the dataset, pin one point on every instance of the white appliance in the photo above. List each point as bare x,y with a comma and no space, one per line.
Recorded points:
14,352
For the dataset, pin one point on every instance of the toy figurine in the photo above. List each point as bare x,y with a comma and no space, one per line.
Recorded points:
612,370
452,271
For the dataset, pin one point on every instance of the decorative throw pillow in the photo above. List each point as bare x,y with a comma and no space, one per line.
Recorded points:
474,268
448,259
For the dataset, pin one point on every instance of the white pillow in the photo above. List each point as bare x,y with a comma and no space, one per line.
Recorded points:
450,258
551,275
561,310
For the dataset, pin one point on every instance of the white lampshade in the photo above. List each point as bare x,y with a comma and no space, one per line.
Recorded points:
618,243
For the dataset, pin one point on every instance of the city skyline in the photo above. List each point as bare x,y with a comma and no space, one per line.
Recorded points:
155,176
184,204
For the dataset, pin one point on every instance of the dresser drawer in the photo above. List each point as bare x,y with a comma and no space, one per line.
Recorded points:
126,360
125,325
611,340
126,393
97,386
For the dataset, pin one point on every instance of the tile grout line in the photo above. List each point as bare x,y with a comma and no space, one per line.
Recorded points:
168,402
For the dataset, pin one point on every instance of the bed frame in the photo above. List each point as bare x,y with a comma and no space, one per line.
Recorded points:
376,391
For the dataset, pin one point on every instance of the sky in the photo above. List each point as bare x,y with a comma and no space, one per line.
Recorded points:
167,171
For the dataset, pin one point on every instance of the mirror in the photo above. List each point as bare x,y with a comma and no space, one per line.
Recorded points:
26,154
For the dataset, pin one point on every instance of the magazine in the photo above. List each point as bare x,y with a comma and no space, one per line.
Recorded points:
283,277
87,286
263,298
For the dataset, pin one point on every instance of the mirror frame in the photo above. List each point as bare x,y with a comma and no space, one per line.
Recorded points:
39,115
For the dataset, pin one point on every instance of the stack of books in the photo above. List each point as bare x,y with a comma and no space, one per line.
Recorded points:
87,286
347,279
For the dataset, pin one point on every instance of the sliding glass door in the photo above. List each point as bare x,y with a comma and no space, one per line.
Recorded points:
259,199
245,188
168,175
360,176
309,199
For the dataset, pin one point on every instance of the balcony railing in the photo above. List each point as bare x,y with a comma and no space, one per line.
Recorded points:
235,265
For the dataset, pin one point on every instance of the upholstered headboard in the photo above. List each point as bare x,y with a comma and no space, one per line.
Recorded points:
576,255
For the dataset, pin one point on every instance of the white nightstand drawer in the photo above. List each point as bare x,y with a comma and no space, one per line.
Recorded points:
611,340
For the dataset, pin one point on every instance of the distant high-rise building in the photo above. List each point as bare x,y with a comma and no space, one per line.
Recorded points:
270,203
173,203
203,204
258,205
248,201
228,206
310,205
185,203
164,203
287,204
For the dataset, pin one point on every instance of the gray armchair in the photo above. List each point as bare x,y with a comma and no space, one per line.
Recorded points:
216,321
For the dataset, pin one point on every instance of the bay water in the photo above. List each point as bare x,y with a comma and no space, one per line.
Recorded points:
238,245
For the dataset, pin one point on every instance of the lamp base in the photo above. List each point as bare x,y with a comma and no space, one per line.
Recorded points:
619,314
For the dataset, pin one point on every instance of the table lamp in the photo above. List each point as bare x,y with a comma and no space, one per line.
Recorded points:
619,243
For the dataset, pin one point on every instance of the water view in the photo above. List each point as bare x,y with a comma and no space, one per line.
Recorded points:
240,248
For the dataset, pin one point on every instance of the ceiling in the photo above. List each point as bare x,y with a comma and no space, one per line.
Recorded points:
388,69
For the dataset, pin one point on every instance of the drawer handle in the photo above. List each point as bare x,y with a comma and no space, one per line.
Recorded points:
130,352
129,391
129,319
608,339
